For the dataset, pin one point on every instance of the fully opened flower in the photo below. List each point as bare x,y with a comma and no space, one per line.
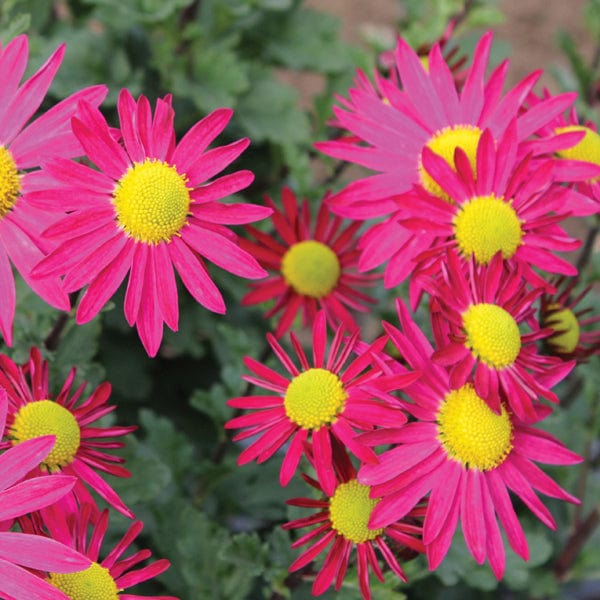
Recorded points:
320,403
151,209
104,579
478,317
24,145
17,498
81,446
342,525
312,266
502,203
464,457
572,337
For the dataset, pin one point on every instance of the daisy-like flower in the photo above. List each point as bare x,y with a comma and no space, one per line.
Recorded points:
104,579
22,551
314,403
81,447
572,337
396,124
476,315
342,525
151,209
464,457
313,267
502,204
23,146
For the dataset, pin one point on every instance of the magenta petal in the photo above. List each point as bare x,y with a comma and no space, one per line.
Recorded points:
442,500
18,460
292,456
323,459
13,61
472,515
166,286
143,574
7,296
18,584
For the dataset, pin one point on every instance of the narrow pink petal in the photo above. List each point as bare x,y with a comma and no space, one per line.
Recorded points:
222,251
292,456
149,320
330,567
135,283
495,544
223,186
442,500
33,494
18,584
195,277
323,459
162,139
18,460
166,286
13,62
472,96
214,161
143,574
472,515
438,548
543,449
7,296
127,109
230,214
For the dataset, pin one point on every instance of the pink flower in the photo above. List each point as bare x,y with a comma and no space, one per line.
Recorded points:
317,405
23,147
461,455
152,209
81,447
17,498
313,266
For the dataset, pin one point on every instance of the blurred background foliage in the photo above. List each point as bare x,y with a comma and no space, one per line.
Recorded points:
219,524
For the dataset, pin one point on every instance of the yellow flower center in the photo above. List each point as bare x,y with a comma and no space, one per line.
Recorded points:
311,268
10,181
95,583
46,417
314,398
350,510
444,143
492,334
485,225
565,323
587,149
471,432
152,201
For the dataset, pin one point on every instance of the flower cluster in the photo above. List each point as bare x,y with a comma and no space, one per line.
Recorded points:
471,189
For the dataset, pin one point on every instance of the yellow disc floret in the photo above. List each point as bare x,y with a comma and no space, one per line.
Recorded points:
311,268
492,334
444,143
350,509
485,225
587,149
314,398
471,432
93,583
10,181
46,417
566,325
152,201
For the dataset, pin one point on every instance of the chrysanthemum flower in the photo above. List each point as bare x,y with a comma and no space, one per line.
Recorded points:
476,317
342,524
103,579
81,448
151,209
313,404
500,204
17,498
313,266
23,146
464,457
572,338
427,112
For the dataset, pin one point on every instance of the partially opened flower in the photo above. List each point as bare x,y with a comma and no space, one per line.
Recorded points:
22,551
105,578
572,338
502,203
464,457
81,445
330,397
341,525
312,265
151,209
24,145
478,317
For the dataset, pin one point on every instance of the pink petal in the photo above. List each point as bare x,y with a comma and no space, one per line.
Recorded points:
18,460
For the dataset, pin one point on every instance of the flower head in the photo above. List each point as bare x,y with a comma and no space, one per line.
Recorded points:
151,209
24,145
342,525
477,315
80,448
104,579
17,498
313,266
572,337
316,405
464,457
